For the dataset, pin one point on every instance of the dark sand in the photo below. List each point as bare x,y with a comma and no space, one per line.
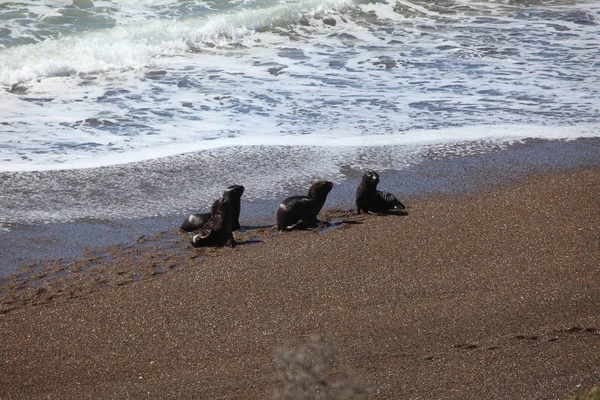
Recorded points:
493,294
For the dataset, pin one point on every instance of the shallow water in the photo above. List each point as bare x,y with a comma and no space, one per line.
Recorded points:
119,217
172,185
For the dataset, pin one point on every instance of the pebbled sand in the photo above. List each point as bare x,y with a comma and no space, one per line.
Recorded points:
490,295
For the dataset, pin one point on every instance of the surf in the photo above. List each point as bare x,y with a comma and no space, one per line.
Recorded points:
143,44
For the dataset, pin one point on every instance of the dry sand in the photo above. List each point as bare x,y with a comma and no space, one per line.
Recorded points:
491,295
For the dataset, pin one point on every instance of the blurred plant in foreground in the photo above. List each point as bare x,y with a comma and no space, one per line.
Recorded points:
304,373
593,394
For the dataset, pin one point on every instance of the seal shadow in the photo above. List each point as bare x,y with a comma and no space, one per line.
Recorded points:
398,213
249,241
254,227
251,234
328,226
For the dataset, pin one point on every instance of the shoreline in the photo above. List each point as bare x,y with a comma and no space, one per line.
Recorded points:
31,244
453,299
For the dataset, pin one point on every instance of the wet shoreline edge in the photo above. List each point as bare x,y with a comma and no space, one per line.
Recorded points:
65,242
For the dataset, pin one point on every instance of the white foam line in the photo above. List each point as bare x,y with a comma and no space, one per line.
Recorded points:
495,133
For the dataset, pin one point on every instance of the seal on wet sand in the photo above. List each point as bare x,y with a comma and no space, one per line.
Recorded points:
194,221
234,194
370,200
217,230
301,211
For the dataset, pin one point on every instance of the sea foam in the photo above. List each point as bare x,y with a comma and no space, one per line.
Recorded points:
170,78
139,44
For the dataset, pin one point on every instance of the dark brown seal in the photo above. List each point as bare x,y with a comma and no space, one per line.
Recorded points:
217,230
370,200
197,221
301,211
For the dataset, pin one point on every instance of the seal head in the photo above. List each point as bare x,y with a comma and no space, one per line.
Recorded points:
299,212
370,200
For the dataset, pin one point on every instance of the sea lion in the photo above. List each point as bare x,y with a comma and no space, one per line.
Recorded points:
234,194
370,200
301,211
217,230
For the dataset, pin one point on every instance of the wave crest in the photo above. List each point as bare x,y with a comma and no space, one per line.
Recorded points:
141,44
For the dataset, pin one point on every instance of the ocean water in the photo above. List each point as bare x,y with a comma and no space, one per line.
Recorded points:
125,109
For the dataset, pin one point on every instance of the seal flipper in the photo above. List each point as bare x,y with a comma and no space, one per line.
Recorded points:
379,214
298,225
302,224
388,203
200,238
391,201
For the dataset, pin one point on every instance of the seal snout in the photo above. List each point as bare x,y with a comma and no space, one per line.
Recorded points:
235,191
326,187
372,177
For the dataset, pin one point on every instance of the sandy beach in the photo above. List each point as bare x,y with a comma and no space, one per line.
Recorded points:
120,119
490,294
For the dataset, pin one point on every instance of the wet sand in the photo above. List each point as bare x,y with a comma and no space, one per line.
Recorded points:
489,294
115,205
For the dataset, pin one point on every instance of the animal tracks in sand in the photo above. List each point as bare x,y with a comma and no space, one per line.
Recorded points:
553,337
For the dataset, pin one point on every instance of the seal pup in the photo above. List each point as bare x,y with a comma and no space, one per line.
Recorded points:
301,211
370,200
234,194
217,230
